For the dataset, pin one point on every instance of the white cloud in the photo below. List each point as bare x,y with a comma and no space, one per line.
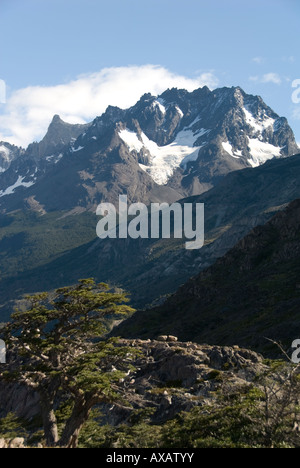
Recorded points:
258,60
290,59
28,111
271,78
267,78
296,113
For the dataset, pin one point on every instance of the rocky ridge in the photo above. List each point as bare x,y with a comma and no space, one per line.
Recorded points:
170,377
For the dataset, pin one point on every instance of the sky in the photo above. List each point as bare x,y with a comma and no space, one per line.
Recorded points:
76,57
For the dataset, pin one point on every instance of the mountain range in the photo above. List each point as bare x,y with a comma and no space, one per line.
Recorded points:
161,149
223,148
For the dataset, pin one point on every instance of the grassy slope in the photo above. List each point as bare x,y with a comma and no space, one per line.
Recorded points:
28,240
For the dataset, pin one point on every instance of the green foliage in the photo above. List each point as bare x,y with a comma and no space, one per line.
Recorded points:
138,433
226,427
62,352
11,427
214,375
237,419
29,240
93,434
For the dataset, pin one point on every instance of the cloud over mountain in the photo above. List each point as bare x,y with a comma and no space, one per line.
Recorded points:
28,111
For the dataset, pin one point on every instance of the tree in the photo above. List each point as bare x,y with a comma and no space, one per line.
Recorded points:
57,348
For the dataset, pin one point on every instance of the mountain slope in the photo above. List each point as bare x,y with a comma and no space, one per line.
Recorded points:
51,254
251,293
153,268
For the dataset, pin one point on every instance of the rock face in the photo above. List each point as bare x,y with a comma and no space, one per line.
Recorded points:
170,377
16,443
59,135
18,399
152,269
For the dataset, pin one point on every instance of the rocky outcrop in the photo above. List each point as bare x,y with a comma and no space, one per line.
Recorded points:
16,443
177,376
170,377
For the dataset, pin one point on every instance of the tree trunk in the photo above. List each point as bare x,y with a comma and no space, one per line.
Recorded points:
49,423
79,416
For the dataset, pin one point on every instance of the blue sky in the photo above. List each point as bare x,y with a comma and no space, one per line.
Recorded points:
73,57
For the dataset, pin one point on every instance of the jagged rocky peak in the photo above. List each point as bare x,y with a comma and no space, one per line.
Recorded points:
184,98
113,114
202,135
57,120
59,135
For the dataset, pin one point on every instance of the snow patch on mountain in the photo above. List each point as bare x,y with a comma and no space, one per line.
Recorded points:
258,124
131,139
229,149
179,111
160,104
10,190
54,158
164,160
73,150
262,152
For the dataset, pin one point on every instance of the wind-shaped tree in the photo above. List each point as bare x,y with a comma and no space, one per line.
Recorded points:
58,347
